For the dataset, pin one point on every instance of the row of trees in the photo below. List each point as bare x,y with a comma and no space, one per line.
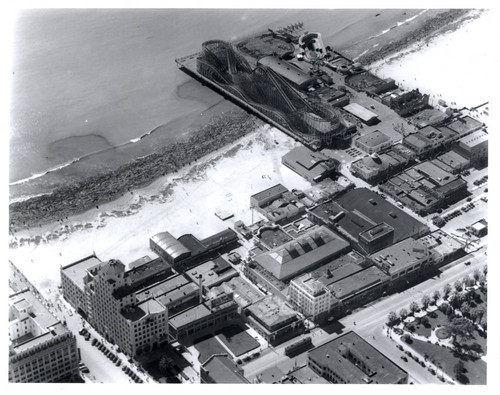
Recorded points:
457,300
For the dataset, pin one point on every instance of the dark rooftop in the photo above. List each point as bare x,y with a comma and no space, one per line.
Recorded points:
277,189
338,356
223,371
374,208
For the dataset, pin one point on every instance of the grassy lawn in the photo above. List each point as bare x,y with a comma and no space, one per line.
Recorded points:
420,329
446,358
237,340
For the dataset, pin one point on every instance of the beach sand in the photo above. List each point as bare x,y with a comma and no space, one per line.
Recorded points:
453,66
183,202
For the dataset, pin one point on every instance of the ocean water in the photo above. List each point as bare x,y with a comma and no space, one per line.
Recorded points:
87,83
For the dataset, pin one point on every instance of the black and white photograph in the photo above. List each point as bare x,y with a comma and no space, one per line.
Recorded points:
251,194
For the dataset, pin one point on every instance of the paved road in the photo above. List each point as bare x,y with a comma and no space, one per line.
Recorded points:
370,320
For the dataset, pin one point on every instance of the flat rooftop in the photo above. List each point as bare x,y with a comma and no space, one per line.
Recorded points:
435,173
287,70
465,125
376,209
190,315
243,293
212,272
167,288
474,139
305,157
76,271
272,311
223,371
361,112
401,255
269,192
305,375
373,139
357,282
47,326
337,354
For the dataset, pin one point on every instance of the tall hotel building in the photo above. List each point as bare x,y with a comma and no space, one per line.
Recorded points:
106,295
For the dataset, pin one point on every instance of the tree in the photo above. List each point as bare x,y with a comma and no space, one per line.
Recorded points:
485,270
474,314
403,313
426,300
461,327
476,274
483,322
467,281
458,285
392,318
414,307
436,295
482,280
480,312
465,309
447,290
453,300
446,309
459,368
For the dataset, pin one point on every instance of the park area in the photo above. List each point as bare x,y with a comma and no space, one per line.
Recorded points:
449,332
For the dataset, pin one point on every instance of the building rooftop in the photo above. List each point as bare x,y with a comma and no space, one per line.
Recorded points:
43,326
339,355
401,255
269,192
76,271
223,371
434,173
212,272
373,139
441,242
357,282
428,117
190,315
474,139
287,70
361,112
170,244
375,209
307,250
168,290
453,159
243,293
272,311
142,310
309,164
465,125
376,231
305,375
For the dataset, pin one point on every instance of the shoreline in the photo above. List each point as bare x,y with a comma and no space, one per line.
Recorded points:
90,192
69,200
427,31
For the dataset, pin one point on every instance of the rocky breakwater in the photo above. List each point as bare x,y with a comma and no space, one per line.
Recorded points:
95,190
